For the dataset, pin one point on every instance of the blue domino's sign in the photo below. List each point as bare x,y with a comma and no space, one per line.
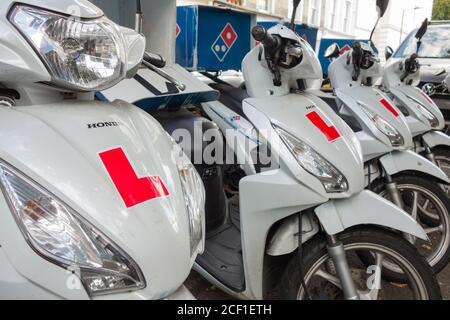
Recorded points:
212,39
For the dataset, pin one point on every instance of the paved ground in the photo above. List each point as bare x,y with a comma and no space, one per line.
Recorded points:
204,291
444,281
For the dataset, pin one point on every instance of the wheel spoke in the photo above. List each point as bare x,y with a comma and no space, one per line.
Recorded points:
329,277
374,291
426,204
439,229
415,205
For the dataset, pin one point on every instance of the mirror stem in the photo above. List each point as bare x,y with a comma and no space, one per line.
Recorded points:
294,14
139,17
373,30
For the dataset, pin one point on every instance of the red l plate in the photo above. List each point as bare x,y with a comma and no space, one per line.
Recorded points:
330,132
388,106
132,189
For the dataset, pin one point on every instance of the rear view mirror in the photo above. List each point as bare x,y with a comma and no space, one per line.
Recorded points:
382,6
422,30
389,53
332,51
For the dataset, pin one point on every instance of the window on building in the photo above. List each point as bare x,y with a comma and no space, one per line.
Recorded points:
314,18
333,15
264,5
237,2
348,10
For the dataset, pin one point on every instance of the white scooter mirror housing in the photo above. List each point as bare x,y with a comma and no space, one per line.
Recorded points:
80,53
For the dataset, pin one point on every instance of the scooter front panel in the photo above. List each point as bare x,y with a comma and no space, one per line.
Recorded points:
313,122
101,160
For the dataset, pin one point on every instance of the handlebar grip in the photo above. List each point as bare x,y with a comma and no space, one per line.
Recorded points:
155,60
269,41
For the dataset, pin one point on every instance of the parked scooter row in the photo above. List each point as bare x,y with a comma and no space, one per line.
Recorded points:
100,200
301,225
394,167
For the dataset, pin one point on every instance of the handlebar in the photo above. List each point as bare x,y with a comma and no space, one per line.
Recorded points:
411,66
269,41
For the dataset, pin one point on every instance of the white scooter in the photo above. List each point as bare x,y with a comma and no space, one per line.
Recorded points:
95,201
424,118
392,170
315,184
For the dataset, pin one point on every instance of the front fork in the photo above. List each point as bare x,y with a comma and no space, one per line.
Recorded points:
430,155
396,198
337,253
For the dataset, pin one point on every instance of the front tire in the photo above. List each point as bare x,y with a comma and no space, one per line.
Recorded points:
442,157
421,284
429,205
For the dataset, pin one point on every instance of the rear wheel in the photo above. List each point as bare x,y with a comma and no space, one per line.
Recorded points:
429,205
322,282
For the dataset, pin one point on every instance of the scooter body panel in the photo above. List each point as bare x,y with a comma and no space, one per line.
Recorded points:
401,161
436,138
59,146
292,114
367,208
411,97
264,200
357,96
241,136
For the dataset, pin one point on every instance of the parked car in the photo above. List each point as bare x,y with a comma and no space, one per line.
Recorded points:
434,56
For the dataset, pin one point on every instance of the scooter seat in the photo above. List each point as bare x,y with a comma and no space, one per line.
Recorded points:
231,97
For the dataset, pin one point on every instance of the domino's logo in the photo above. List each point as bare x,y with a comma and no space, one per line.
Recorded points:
177,31
224,42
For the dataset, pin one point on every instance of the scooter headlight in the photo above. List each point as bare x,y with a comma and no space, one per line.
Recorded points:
332,179
60,235
80,55
394,136
194,196
431,118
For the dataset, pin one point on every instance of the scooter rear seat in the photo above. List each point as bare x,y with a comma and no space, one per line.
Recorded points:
231,97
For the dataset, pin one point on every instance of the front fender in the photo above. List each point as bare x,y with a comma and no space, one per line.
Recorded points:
436,138
366,208
400,161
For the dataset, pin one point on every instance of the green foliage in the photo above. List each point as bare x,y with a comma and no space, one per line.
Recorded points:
441,10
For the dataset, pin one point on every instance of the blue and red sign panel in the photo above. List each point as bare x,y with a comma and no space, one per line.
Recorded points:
212,39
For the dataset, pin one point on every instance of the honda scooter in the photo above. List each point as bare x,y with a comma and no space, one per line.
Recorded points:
97,201
425,120
294,228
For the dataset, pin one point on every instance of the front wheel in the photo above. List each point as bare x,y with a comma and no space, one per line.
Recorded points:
429,205
442,157
322,282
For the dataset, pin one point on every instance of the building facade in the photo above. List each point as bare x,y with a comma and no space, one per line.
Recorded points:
355,19
265,9
341,19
